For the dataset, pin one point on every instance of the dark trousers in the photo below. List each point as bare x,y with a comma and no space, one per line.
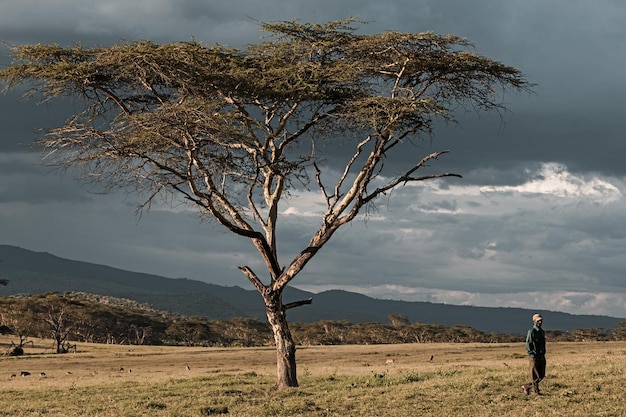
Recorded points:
537,367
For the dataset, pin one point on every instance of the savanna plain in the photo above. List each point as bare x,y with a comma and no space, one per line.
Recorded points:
583,379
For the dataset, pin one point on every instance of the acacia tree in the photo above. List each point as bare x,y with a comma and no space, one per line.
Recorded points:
232,131
18,316
56,317
191,331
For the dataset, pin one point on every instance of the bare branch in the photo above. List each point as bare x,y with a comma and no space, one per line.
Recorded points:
320,184
407,177
297,303
252,277
348,167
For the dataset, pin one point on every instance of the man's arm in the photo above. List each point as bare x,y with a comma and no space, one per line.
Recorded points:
530,344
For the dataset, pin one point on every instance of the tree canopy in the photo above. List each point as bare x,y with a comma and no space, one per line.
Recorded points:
235,131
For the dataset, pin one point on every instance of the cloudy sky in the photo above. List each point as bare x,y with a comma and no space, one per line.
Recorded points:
538,220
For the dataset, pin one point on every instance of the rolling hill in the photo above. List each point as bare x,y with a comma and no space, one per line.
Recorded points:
31,272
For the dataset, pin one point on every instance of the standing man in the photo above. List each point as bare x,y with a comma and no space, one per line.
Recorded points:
536,348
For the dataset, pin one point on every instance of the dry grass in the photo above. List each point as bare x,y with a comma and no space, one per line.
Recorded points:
584,379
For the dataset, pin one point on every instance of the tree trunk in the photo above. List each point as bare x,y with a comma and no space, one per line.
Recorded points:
57,341
285,347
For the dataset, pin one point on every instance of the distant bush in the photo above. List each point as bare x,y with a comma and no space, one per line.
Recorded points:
81,317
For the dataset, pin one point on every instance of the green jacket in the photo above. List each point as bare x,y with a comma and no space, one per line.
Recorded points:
536,342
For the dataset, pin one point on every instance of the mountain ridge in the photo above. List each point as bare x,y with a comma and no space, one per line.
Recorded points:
32,272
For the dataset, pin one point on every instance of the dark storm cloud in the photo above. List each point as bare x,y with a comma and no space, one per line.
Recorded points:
24,180
535,218
22,122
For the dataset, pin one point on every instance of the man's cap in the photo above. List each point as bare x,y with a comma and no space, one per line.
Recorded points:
537,317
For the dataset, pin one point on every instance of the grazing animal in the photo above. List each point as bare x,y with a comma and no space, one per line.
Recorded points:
13,375
389,361
24,373
42,374
187,367
431,358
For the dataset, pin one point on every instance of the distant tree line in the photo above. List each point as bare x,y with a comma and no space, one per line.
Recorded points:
77,317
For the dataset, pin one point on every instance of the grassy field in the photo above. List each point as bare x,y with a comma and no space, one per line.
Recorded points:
583,379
